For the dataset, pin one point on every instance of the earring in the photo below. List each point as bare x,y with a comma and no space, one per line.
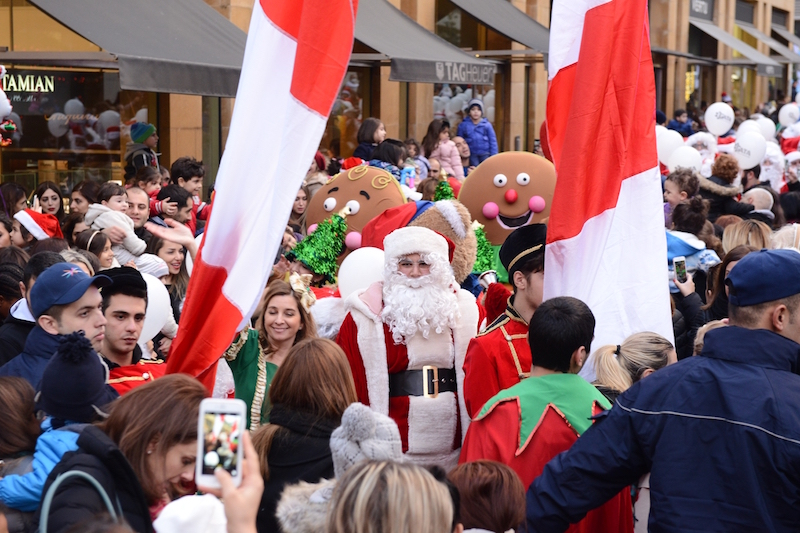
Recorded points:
149,452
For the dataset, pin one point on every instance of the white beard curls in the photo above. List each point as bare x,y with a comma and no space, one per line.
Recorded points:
420,305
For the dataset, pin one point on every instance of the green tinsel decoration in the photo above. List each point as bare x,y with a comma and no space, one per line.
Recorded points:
319,250
443,192
483,259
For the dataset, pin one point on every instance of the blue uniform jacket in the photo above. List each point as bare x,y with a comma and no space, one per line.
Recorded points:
719,433
40,346
684,128
24,492
480,138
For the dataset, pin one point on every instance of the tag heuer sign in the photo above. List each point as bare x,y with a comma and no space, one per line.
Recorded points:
463,73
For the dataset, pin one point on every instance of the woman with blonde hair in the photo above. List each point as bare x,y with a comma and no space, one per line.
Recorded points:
255,355
390,498
309,394
618,367
751,232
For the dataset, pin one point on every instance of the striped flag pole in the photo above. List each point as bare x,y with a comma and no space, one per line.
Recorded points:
295,60
606,243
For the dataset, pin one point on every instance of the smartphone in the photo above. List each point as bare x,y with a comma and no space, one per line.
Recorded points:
219,445
680,268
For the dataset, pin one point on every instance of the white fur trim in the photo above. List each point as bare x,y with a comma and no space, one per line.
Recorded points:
414,240
328,313
451,214
467,329
372,344
431,424
33,228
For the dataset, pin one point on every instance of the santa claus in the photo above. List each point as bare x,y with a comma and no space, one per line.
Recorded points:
406,339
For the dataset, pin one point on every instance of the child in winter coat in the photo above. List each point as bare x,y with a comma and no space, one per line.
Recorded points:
110,211
74,390
479,134
678,187
437,145
140,152
688,220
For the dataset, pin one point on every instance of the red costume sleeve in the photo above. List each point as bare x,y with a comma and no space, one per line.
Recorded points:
348,341
480,377
494,437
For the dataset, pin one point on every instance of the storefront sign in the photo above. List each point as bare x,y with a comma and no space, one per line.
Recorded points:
28,83
702,9
442,72
769,71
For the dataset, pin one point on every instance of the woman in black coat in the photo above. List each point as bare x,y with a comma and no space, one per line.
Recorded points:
719,189
309,394
148,442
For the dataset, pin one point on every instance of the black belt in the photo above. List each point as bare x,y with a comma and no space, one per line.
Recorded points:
428,382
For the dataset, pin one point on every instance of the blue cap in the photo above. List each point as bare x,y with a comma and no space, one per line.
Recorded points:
764,276
62,284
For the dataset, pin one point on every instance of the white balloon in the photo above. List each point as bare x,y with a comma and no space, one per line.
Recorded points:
359,270
454,105
488,99
685,157
748,125
158,308
75,109
767,127
106,120
57,124
719,118
788,115
141,115
749,149
666,143
659,130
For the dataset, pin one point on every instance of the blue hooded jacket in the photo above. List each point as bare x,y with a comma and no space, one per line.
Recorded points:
40,346
24,492
719,434
481,139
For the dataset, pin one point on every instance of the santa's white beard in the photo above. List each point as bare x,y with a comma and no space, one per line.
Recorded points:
419,305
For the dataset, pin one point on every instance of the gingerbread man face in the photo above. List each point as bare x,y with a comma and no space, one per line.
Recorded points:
509,190
366,192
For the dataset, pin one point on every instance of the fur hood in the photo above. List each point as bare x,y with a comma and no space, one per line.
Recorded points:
715,185
303,507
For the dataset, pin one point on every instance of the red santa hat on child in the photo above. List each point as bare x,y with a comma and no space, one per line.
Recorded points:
40,225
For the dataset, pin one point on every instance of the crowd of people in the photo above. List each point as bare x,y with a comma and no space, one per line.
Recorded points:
432,398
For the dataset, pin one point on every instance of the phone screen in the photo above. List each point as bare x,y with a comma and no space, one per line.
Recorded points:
680,270
222,434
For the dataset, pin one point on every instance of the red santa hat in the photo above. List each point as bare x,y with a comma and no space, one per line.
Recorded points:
416,240
40,225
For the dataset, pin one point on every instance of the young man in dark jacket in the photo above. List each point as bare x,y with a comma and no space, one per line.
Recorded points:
718,432
63,300
14,331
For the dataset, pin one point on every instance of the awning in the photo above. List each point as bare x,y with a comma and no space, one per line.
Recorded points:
766,65
505,19
416,54
790,56
786,34
168,46
692,57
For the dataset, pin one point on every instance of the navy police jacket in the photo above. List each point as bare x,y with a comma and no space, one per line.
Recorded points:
720,434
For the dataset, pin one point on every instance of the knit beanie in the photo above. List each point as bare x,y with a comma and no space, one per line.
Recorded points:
41,225
477,102
140,131
364,435
74,383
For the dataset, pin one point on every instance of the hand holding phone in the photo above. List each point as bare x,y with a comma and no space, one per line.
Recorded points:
219,445
680,268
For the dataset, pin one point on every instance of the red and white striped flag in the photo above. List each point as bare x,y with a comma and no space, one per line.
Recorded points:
606,243
296,57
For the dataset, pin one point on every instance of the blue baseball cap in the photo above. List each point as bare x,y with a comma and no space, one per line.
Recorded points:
62,284
764,276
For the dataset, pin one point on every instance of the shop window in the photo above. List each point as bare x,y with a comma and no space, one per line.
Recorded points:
339,139
71,125
743,81
745,11
5,24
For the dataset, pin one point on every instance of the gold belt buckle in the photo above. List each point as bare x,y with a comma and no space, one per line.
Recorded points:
426,381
